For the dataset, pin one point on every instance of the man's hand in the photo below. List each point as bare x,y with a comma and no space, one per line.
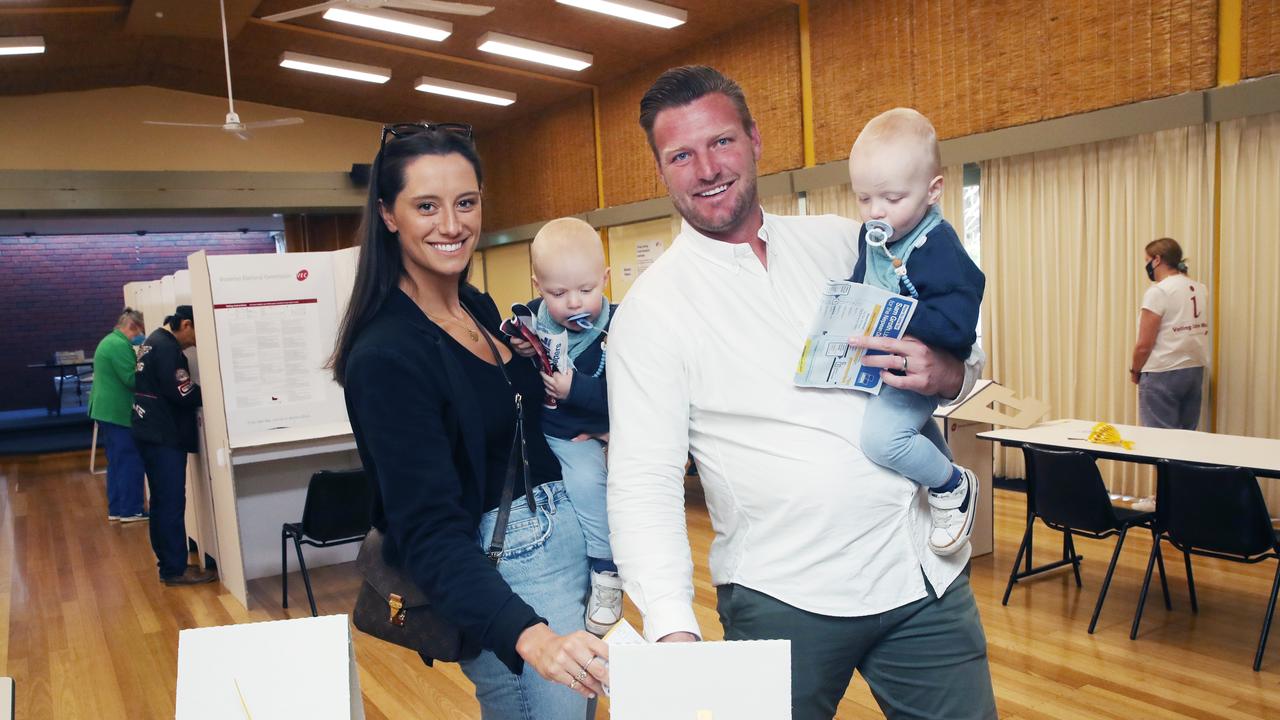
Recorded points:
558,385
522,348
679,637
927,372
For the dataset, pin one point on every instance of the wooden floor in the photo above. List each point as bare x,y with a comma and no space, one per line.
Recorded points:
87,631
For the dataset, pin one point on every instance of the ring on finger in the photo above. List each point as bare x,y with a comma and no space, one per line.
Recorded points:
574,685
904,363
593,659
581,676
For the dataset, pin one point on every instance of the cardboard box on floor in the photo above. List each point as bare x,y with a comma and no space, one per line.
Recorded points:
303,668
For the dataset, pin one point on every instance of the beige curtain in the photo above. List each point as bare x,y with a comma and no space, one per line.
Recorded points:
838,199
1062,247
833,200
1248,286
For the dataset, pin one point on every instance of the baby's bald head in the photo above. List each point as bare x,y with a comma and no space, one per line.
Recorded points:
565,241
568,270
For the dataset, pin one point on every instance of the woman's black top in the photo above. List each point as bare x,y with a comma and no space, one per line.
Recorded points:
499,417
419,425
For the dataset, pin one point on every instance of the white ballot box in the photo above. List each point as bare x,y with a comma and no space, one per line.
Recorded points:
740,680
302,668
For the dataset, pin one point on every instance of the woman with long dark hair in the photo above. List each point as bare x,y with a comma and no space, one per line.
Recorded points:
422,362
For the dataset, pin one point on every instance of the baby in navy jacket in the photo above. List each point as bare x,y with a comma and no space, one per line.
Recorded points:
896,177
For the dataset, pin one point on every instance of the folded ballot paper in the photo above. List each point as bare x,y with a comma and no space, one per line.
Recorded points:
849,309
735,680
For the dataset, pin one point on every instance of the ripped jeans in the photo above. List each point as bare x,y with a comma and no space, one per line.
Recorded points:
544,560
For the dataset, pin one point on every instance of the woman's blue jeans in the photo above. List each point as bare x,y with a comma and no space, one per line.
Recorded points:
544,560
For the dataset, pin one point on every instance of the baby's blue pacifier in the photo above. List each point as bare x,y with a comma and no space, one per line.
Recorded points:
582,320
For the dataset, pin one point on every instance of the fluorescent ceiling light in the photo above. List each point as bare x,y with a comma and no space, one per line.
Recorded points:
394,22
649,13
465,91
337,68
522,49
30,45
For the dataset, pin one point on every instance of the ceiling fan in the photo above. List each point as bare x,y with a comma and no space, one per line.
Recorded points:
232,124
435,6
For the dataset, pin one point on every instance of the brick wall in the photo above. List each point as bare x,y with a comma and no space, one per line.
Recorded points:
65,293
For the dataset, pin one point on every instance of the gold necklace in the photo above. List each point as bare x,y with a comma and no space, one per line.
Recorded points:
471,333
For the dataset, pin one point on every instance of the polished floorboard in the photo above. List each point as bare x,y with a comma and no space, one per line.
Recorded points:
88,631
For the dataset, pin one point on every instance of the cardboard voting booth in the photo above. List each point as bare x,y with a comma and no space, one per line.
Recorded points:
273,416
302,668
697,681
987,405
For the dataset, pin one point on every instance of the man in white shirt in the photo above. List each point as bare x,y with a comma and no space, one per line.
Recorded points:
813,542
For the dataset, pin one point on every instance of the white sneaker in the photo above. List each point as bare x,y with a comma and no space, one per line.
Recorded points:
951,525
604,607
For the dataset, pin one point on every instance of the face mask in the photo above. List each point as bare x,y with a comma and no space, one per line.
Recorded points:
1151,271
138,339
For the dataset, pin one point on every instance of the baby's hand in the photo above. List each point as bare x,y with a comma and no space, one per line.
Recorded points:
521,347
558,385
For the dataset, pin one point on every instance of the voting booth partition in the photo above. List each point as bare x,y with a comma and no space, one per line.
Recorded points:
156,300
272,416
989,404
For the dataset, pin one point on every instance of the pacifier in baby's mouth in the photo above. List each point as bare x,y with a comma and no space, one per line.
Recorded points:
582,320
878,232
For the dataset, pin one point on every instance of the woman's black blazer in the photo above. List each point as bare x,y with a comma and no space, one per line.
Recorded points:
420,436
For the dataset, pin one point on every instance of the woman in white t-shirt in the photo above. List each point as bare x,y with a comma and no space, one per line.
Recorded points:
1173,341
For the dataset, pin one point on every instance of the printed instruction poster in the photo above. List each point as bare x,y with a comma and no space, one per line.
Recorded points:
850,309
276,318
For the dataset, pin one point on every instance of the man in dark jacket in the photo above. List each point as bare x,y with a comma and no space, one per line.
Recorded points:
165,399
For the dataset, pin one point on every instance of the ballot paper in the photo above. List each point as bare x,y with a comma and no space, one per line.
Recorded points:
557,346
300,668
697,680
850,309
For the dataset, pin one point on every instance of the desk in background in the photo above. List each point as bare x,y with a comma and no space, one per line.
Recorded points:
1150,445
61,369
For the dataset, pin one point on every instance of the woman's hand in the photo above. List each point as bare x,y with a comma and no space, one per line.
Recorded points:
558,385
579,660
924,370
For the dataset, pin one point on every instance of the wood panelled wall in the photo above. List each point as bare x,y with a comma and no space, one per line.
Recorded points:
763,56
316,232
1260,44
979,65
970,65
540,167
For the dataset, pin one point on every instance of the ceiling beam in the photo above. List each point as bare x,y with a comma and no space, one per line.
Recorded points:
92,10
303,30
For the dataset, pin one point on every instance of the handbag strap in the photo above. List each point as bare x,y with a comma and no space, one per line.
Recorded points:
519,455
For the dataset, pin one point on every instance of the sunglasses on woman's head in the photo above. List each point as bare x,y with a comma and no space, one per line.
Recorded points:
403,130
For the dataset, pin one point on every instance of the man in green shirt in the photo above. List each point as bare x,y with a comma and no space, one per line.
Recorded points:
111,404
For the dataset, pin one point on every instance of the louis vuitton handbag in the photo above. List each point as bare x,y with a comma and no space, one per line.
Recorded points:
391,607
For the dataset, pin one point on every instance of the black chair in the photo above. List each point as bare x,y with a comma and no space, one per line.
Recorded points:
1216,512
338,509
1065,490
